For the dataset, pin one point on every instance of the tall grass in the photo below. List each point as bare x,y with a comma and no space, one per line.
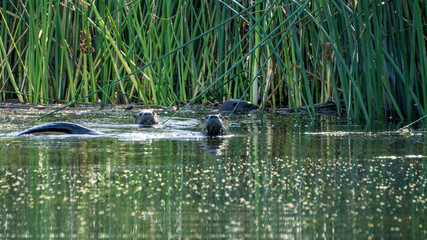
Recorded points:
367,56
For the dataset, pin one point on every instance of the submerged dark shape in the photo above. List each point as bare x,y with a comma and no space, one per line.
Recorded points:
146,118
214,125
242,106
61,127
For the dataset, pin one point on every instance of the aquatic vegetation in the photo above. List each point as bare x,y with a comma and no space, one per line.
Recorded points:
367,56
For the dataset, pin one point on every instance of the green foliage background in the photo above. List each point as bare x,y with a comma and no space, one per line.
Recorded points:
367,56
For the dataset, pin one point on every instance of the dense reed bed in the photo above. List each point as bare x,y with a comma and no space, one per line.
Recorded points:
367,56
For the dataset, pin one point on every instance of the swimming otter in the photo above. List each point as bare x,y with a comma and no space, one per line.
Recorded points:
242,106
62,127
146,118
214,125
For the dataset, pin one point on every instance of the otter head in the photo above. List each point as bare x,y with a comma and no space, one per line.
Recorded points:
146,118
214,125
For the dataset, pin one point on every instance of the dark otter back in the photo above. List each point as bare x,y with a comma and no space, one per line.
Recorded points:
62,127
242,106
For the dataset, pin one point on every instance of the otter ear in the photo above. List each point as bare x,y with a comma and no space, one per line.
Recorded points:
202,120
226,117
134,116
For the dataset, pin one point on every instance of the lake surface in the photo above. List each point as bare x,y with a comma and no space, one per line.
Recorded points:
278,179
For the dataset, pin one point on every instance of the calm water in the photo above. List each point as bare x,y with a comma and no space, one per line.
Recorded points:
278,179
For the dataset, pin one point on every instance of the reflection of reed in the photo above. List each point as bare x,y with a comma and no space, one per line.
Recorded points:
276,180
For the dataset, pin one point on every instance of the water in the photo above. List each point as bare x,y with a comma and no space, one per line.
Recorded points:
276,179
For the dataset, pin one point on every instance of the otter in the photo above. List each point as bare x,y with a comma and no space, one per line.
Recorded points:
214,125
229,106
61,127
146,118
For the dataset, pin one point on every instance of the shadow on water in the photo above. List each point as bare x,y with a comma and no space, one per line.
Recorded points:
278,179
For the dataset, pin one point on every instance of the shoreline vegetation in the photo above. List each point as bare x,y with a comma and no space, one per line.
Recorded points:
368,57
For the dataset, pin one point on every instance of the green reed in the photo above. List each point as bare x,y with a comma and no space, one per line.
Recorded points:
369,57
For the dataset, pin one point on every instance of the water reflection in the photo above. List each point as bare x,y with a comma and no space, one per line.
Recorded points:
216,145
275,180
